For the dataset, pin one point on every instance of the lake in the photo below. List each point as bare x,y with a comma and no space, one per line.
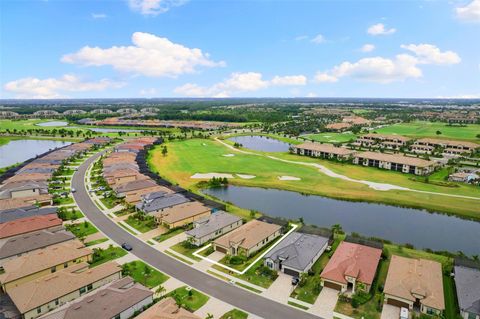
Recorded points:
261,143
17,151
53,123
400,225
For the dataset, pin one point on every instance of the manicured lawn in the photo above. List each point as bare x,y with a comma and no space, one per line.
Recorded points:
69,213
254,275
429,129
184,249
82,229
96,242
451,305
206,156
331,137
141,225
235,314
149,278
189,299
101,256
63,200
110,202
168,234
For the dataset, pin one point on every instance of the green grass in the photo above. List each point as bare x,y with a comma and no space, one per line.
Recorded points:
291,303
101,256
126,228
63,200
186,251
451,305
178,257
207,156
70,213
96,242
253,275
421,129
82,229
149,278
248,287
234,314
331,137
191,300
168,234
110,202
142,226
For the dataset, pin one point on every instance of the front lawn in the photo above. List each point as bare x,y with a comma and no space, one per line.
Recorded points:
258,274
101,256
96,242
69,213
144,274
189,298
82,229
234,314
169,234
143,226
187,249
62,200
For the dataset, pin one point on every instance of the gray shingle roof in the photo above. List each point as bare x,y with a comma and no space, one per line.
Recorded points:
33,241
467,282
135,185
18,213
297,250
214,222
161,201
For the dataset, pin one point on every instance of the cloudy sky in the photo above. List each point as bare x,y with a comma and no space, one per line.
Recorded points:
204,48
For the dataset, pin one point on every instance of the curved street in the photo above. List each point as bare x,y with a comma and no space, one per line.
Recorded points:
214,287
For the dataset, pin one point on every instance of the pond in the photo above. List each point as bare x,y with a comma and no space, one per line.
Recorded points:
261,143
53,123
18,151
400,225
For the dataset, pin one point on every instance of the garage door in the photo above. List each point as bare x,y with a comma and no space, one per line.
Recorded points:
221,249
291,272
397,303
332,285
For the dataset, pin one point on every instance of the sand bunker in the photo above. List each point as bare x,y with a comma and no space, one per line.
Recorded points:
210,175
244,176
288,178
228,155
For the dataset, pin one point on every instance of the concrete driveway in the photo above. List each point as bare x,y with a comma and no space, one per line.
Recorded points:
214,307
280,289
390,312
325,303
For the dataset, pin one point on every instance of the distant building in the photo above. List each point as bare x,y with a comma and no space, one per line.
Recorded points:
101,111
382,140
450,146
395,162
327,151
341,126
74,112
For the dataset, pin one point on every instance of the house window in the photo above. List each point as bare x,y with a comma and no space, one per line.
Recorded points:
65,265
89,287
83,290
117,317
53,269
39,309
471,315
56,302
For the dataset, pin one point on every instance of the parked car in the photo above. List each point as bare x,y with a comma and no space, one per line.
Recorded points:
295,281
127,247
73,190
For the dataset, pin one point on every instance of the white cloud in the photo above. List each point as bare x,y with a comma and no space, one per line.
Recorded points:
379,29
53,88
430,54
323,77
148,92
237,83
149,55
318,39
99,15
367,48
470,12
301,37
154,7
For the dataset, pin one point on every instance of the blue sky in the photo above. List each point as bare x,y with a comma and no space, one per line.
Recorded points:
196,48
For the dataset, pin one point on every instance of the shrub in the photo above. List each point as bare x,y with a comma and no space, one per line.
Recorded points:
237,260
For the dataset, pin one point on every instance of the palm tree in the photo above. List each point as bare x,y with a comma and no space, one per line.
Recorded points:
209,316
160,291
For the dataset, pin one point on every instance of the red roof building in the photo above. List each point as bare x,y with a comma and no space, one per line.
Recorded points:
29,224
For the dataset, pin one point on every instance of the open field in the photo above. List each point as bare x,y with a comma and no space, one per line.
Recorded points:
429,129
186,158
331,137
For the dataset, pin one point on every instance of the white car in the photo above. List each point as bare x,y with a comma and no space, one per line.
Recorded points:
73,190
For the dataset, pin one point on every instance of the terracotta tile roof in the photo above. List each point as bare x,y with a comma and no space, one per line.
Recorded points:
42,259
407,276
248,235
30,177
352,260
27,225
395,158
338,126
136,196
12,203
183,211
32,294
447,142
387,137
166,309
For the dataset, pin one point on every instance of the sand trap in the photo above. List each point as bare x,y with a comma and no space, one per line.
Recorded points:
210,175
204,144
246,176
228,155
288,178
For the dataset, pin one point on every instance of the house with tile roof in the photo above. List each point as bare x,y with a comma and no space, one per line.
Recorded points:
467,284
213,226
167,309
30,224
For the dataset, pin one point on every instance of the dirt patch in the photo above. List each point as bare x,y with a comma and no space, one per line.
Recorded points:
288,178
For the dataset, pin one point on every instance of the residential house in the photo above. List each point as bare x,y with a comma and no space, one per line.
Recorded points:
395,162
181,214
166,309
22,189
352,268
248,238
25,212
20,202
467,284
213,226
463,177
356,120
27,225
123,189
39,263
338,127
34,177
382,140
450,146
17,246
296,253
415,284
122,176
328,151
158,201
135,197
35,298
120,299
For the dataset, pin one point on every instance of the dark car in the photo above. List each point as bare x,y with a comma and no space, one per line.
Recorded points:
295,281
127,247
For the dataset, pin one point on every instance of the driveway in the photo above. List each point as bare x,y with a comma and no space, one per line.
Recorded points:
280,289
325,303
214,307
390,312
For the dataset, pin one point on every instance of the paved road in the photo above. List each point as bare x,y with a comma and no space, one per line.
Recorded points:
214,287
